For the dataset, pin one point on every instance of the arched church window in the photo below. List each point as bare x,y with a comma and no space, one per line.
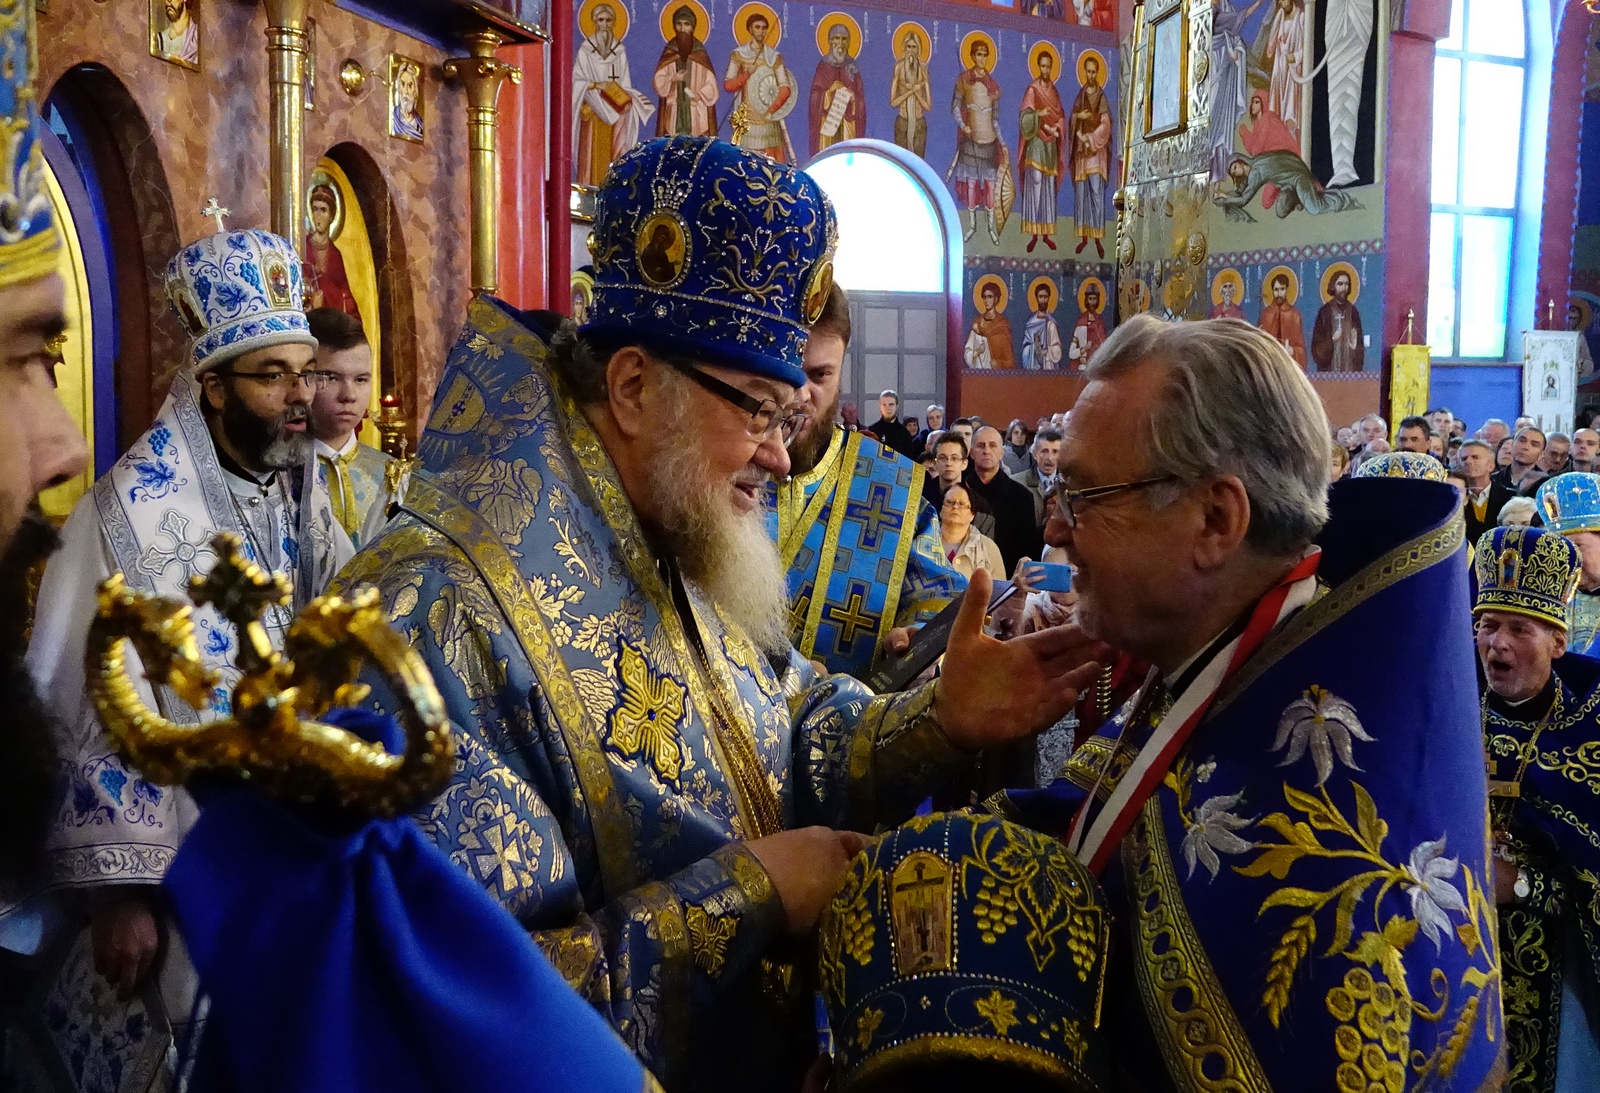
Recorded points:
890,239
1480,176
895,261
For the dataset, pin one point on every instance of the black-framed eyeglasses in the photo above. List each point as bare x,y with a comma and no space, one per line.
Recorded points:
275,378
1068,500
765,415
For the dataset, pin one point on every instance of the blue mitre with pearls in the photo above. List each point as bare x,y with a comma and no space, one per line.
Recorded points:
1413,465
1570,502
29,243
958,938
704,250
237,291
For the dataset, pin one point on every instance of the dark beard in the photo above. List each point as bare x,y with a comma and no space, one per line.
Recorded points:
810,446
265,441
29,761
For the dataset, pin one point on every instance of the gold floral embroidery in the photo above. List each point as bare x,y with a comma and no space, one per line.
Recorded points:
709,936
998,1010
847,927
866,1025
505,494
1032,877
645,724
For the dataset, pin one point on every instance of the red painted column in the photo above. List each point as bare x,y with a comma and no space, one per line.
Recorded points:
558,192
1560,221
1407,199
522,180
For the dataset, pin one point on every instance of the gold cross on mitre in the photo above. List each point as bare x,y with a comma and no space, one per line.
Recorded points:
270,735
216,212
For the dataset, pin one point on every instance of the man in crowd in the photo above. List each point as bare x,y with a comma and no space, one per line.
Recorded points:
950,462
1041,478
963,427
1569,505
1373,428
855,510
352,472
1493,432
1585,448
1413,436
1557,456
934,419
1201,552
589,577
1015,532
43,449
1542,813
1485,496
1523,475
229,452
889,429
1441,420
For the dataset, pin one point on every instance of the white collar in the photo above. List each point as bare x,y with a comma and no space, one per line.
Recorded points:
328,451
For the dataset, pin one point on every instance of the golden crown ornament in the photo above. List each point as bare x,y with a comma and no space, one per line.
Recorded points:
272,737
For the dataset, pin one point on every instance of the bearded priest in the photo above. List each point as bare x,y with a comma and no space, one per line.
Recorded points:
583,562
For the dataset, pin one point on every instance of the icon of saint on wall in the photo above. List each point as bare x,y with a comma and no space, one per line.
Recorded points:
405,98
175,32
608,112
327,282
910,94
686,84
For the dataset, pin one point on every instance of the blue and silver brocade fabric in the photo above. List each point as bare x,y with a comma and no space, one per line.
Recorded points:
599,794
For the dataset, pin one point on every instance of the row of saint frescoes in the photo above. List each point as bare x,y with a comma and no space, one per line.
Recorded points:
756,96
1337,344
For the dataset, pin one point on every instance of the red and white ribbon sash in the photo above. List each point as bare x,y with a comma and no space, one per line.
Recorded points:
1095,847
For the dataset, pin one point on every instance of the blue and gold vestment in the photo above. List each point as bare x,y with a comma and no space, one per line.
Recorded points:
1304,903
1554,829
880,548
607,772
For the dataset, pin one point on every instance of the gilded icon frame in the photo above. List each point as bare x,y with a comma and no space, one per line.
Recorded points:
158,23
1167,46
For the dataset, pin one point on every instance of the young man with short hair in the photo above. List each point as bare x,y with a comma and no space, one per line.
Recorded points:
1523,474
353,472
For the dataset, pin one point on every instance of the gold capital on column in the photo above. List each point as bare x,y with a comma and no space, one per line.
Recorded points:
481,74
286,64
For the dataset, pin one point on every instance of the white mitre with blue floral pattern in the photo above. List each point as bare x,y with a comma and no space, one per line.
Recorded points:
237,291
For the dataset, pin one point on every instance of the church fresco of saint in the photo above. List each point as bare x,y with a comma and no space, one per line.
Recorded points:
1015,112
1262,205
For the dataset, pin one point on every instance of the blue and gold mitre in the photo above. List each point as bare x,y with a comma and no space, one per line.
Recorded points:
1402,465
237,291
1527,571
29,243
961,941
705,250
1570,502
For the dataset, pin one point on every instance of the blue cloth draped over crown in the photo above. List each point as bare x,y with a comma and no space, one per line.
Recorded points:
29,242
412,963
1305,901
958,937
1570,502
705,250
237,291
1527,571
1402,465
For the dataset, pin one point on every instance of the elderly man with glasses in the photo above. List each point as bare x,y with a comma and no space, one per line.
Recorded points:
650,777
1288,816
229,452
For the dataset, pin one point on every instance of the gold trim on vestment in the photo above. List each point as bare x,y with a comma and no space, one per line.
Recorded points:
1436,545
936,1047
902,554
1192,1040
830,549
795,513
756,802
485,551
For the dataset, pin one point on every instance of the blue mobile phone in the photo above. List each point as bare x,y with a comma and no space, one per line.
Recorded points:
1050,576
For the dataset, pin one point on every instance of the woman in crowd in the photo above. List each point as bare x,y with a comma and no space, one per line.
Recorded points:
1017,456
965,547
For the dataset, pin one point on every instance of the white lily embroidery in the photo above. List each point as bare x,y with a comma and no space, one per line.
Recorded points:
1324,724
1213,830
1433,893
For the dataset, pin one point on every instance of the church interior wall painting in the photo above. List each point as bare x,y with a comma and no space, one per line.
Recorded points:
1262,205
339,268
1015,113
207,134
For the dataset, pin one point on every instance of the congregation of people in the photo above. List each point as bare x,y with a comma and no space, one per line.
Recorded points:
733,798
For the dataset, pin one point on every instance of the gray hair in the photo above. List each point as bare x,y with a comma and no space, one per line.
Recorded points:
1518,506
1234,402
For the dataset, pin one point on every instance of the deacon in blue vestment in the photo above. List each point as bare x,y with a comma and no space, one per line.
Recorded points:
853,509
1288,819
1541,733
1569,504
585,567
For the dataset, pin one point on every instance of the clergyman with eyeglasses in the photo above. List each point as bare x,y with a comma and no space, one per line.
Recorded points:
1288,816
352,472
672,792
229,452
